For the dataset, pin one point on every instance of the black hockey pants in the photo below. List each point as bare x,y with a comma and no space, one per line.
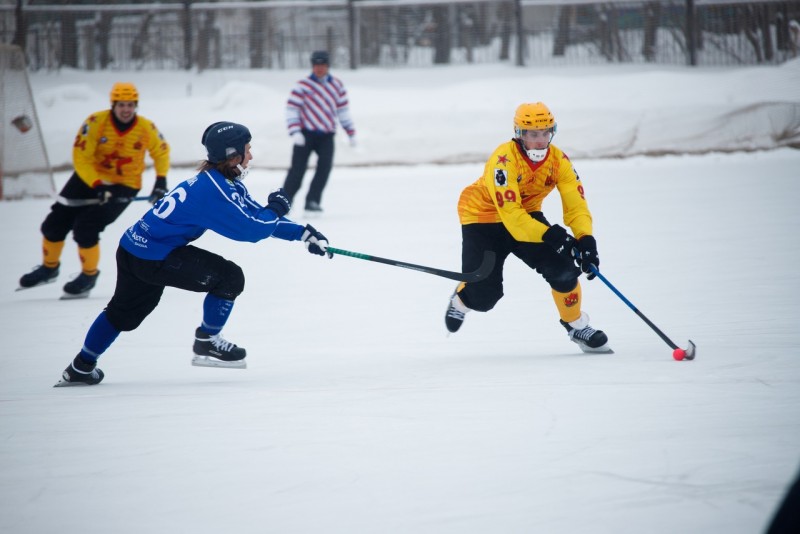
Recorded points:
88,221
140,283
561,274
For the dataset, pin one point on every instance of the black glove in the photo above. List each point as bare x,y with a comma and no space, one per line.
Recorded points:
159,189
278,202
316,243
563,243
587,251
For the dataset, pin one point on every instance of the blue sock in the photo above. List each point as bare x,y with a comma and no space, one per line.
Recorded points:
215,314
99,337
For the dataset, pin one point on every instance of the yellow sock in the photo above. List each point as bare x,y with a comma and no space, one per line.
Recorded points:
568,304
90,258
51,252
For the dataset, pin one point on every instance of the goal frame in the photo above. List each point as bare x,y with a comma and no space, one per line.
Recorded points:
40,180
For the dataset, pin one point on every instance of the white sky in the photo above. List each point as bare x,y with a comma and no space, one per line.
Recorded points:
357,413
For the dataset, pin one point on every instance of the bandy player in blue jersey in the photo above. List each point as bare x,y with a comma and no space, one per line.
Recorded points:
156,252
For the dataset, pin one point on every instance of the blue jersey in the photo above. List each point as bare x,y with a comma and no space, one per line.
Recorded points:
207,201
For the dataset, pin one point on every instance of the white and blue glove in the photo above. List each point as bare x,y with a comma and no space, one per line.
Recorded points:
316,243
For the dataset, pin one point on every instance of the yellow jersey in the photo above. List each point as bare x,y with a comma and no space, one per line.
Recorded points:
512,186
104,155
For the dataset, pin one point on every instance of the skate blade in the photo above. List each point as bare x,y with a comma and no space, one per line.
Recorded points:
208,361
72,296
65,384
40,284
605,349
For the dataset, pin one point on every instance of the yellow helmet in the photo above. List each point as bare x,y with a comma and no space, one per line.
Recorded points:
125,91
533,117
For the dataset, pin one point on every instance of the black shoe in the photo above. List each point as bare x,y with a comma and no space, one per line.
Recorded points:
313,207
587,338
80,286
38,276
454,317
80,373
215,351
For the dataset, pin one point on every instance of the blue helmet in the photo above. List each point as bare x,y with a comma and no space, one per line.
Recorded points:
225,140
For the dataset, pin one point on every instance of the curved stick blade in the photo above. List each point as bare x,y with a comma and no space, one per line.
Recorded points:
691,351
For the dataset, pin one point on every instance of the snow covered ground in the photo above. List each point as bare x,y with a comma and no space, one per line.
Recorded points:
357,413
453,115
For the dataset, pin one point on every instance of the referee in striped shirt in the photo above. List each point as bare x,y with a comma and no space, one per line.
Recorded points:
314,106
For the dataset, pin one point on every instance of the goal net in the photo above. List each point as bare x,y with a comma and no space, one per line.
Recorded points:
24,168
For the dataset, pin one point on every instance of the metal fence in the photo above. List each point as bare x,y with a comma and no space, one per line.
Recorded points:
400,33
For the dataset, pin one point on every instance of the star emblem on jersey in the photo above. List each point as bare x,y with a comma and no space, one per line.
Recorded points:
502,160
500,177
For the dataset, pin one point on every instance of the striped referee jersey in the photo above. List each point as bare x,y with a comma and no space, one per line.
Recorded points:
315,104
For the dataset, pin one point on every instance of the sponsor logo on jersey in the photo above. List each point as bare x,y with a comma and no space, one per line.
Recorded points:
500,177
502,160
138,239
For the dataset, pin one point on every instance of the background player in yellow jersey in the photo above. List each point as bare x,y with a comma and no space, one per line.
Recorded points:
108,156
502,212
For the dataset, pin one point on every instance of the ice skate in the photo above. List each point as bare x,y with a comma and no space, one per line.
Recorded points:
587,338
41,275
313,209
215,351
80,373
80,287
456,310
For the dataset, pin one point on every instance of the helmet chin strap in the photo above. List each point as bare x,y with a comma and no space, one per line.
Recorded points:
242,172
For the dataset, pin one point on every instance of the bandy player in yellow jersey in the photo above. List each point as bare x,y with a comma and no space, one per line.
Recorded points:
502,212
108,155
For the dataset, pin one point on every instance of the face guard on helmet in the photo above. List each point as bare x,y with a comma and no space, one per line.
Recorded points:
226,140
124,91
532,121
